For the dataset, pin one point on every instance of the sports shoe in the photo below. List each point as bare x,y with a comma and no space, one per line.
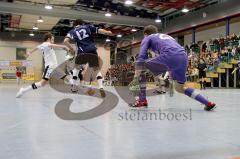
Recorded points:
139,104
156,92
159,92
74,88
102,92
210,106
19,93
74,82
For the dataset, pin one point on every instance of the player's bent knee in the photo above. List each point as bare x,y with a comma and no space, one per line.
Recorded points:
179,90
77,66
95,68
179,87
43,83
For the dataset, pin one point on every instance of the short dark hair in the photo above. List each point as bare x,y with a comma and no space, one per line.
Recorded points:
150,29
78,22
47,36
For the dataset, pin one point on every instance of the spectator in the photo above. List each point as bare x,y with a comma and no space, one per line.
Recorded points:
204,47
202,67
18,76
222,42
187,49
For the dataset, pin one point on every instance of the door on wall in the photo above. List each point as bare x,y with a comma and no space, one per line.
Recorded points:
121,56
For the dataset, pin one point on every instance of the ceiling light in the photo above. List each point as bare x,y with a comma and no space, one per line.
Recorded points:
134,30
35,27
128,2
204,14
31,34
119,35
158,20
185,10
108,14
108,40
48,6
40,20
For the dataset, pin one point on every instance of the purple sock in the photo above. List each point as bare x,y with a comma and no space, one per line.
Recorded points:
191,93
142,94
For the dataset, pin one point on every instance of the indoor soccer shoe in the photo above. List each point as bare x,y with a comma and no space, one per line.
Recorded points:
20,93
139,104
74,81
102,93
74,88
159,92
210,106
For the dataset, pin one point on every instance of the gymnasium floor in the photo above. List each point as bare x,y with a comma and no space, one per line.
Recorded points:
31,129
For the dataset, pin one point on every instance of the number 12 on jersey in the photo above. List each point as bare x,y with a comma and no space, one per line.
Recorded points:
82,34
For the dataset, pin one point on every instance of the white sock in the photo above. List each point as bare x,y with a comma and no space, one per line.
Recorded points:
32,87
26,89
75,76
38,84
100,81
75,72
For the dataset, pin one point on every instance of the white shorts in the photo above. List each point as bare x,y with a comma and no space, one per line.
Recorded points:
47,72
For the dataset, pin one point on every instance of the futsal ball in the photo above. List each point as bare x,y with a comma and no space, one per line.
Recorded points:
91,92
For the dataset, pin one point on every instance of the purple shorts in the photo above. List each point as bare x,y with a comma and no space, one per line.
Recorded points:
175,64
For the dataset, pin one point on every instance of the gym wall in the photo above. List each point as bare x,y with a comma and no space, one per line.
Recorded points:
8,52
212,33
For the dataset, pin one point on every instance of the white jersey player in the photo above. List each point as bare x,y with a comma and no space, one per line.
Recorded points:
47,48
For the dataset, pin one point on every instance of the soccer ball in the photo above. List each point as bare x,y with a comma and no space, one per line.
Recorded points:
91,91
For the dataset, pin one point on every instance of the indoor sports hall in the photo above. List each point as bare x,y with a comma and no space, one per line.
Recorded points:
119,79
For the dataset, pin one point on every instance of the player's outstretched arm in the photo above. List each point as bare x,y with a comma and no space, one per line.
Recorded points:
105,32
31,52
59,46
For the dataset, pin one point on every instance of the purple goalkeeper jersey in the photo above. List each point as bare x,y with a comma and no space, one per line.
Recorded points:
160,44
170,56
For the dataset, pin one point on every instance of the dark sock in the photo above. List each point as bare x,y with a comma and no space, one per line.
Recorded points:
204,84
201,84
142,94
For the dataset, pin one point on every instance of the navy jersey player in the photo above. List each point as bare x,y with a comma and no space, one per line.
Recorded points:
82,35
